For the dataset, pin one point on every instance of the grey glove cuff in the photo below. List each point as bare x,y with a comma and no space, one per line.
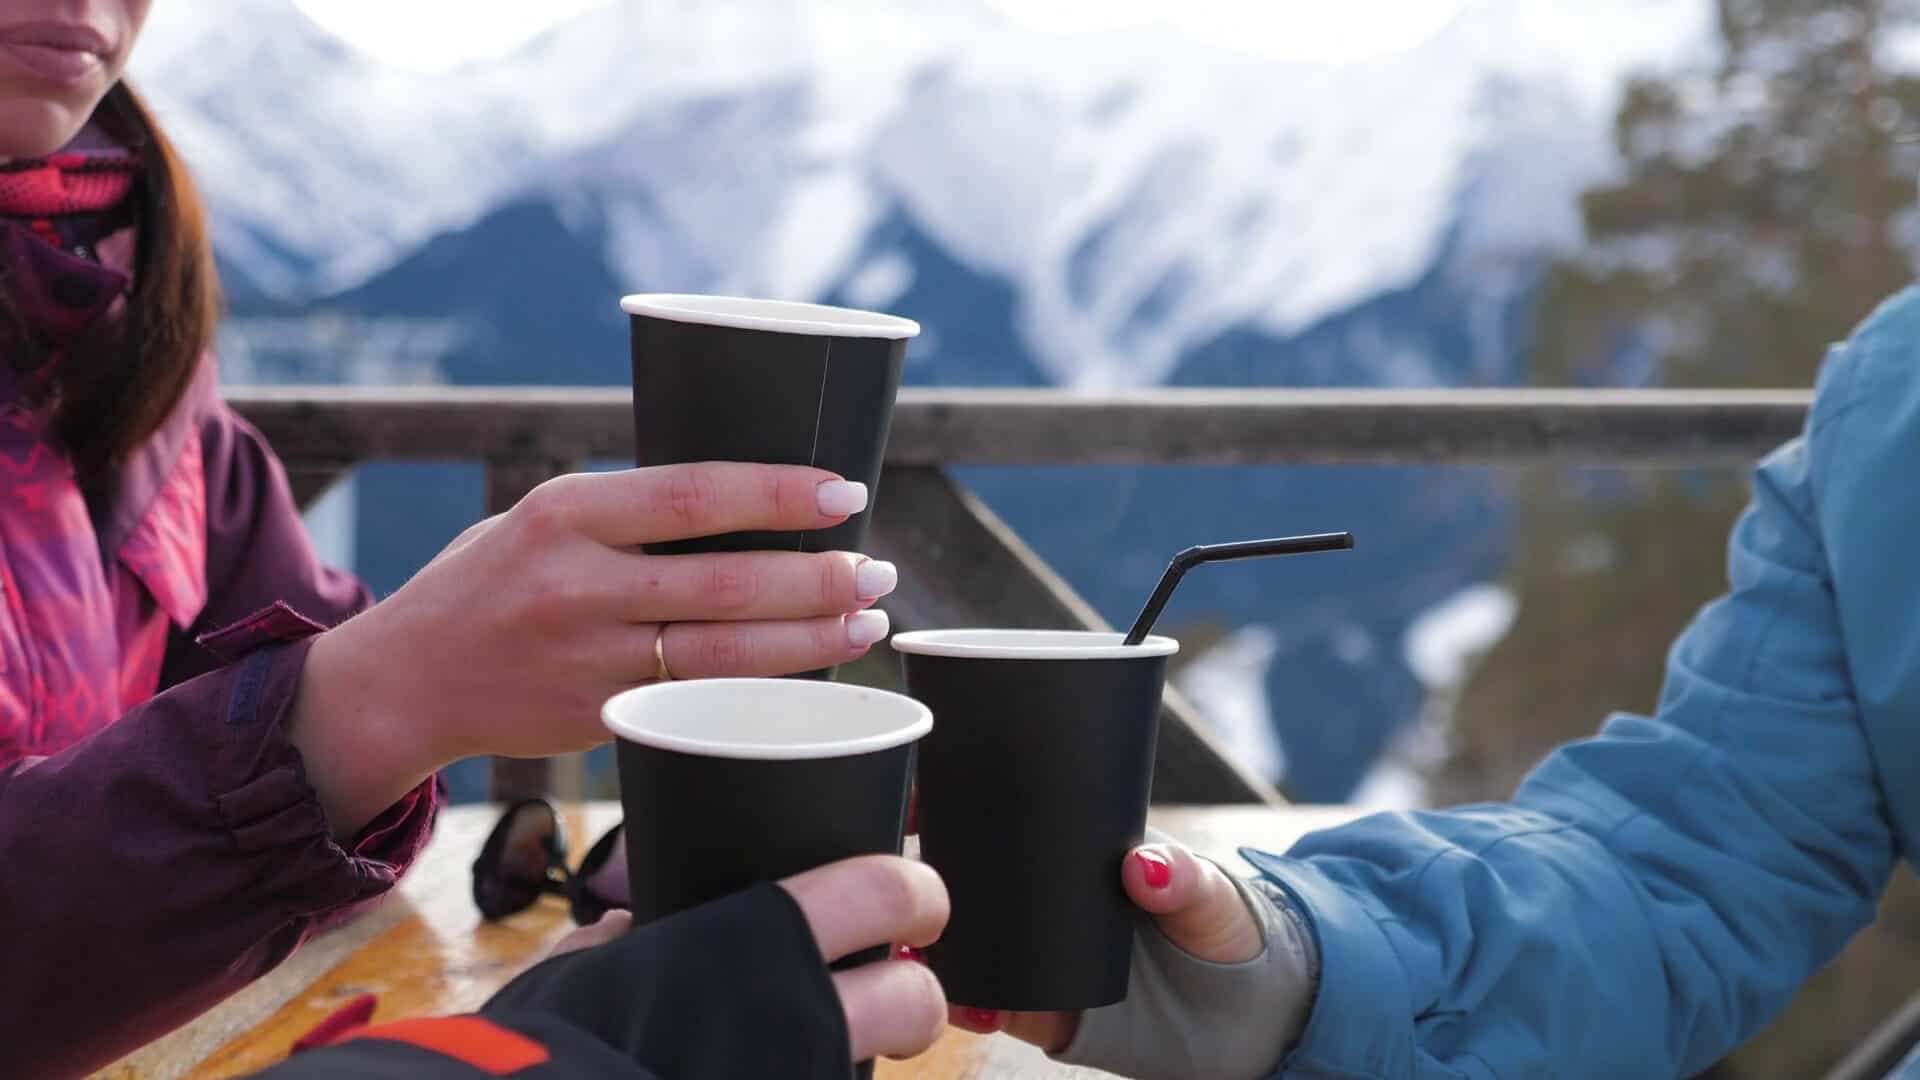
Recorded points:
1192,1019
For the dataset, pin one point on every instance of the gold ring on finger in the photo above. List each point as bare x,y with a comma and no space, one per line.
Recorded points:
661,673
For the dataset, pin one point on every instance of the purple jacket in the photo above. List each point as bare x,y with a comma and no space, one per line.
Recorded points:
159,863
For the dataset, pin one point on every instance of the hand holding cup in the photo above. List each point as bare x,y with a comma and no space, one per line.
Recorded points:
1194,905
1223,980
511,639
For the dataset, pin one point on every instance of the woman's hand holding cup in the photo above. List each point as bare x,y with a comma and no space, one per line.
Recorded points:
510,640
1222,982
891,1008
1191,900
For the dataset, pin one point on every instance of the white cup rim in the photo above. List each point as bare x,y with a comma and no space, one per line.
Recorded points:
989,644
776,316
910,720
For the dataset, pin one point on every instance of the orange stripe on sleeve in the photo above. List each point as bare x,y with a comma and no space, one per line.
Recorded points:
470,1040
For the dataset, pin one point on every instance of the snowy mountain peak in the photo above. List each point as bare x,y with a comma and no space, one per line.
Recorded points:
1143,193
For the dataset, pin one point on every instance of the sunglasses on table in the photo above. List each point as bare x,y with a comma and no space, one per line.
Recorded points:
525,858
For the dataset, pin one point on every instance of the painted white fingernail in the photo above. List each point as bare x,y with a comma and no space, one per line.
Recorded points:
841,497
866,627
875,579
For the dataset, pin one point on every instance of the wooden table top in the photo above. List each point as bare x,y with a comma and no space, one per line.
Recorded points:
426,951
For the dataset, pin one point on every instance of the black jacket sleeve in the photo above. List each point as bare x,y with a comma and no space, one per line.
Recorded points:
536,1046
735,988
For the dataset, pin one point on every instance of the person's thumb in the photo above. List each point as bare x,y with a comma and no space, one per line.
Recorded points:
1194,902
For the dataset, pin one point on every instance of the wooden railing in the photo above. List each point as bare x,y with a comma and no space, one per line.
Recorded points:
961,565
333,426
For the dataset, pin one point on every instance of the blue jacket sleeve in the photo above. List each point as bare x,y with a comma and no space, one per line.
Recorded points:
1655,894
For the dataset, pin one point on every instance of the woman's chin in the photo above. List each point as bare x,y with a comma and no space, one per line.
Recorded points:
37,126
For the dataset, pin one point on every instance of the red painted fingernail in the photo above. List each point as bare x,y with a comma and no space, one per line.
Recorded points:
908,952
1156,868
982,1019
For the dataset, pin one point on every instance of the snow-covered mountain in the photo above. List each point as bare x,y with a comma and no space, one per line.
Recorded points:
1143,192
1095,210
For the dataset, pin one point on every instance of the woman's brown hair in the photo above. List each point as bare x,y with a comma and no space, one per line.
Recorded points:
123,378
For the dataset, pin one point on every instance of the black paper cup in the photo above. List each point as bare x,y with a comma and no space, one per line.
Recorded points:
729,782
720,378
1032,789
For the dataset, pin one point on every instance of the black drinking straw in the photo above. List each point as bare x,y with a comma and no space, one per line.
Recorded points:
1206,553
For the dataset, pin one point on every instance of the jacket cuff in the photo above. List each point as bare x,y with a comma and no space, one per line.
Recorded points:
676,993
1360,1023
262,797
274,623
